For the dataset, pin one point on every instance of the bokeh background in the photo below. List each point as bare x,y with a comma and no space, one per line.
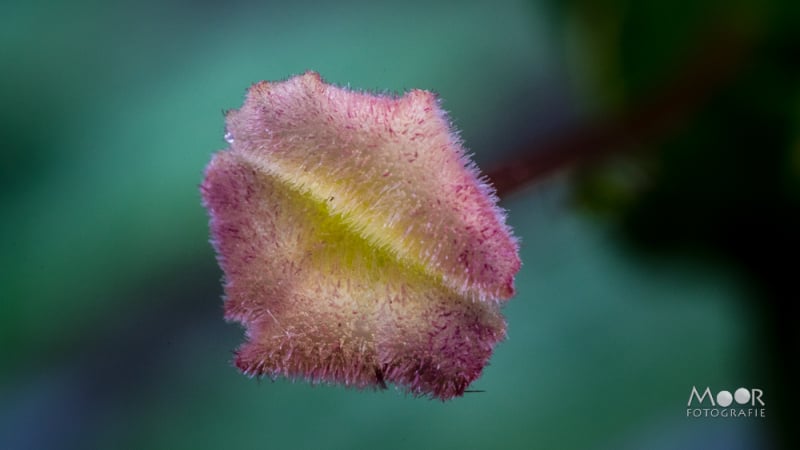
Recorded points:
648,154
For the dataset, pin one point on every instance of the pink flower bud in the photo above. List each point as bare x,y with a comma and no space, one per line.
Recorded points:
358,244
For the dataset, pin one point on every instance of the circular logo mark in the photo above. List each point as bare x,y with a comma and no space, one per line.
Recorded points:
724,398
742,396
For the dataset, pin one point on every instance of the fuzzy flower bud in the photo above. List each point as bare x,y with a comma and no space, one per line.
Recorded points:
358,244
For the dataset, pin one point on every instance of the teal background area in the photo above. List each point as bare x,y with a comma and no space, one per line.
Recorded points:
111,328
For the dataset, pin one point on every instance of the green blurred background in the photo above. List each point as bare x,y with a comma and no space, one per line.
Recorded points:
665,257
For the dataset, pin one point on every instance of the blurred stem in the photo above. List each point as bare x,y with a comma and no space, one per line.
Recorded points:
707,69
